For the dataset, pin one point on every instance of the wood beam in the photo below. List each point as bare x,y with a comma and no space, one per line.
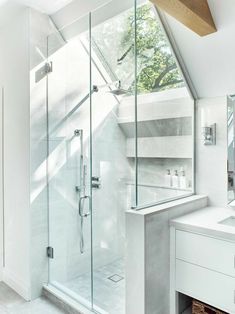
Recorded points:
195,14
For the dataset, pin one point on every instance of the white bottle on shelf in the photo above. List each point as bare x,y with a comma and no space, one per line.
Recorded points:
168,181
175,180
183,183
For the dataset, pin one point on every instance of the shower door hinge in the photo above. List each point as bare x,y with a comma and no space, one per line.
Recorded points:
50,252
43,71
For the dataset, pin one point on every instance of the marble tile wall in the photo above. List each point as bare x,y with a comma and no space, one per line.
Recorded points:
153,170
110,201
165,141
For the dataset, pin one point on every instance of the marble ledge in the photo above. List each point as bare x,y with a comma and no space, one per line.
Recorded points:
202,199
207,221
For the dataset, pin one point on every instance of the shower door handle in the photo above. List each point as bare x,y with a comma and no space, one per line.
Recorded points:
81,206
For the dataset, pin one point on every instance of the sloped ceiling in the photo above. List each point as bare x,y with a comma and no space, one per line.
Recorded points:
79,8
210,60
45,6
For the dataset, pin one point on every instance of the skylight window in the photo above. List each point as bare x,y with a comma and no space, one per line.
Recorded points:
113,42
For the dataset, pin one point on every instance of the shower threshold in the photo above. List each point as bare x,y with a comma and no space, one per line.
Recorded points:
68,301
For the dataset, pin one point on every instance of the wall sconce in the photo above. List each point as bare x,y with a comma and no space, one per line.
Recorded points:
209,134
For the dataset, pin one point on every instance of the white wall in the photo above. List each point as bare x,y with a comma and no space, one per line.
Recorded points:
23,47
14,76
75,10
73,18
210,59
1,187
44,6
211,161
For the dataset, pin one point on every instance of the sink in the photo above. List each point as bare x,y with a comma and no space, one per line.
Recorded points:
230,221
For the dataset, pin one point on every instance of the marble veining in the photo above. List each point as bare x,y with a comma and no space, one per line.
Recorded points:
108,295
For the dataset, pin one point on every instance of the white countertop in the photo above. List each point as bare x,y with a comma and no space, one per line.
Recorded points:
206,221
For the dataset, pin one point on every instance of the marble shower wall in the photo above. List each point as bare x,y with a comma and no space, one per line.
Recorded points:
110,201
165,141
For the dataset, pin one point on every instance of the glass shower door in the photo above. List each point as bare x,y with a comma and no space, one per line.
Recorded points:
113,167
69,165
91,174
104,155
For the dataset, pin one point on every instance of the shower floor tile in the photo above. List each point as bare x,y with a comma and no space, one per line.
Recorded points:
109,295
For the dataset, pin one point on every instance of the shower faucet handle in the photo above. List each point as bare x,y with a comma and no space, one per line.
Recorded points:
78,132
96,182
96,179
77,188
96,185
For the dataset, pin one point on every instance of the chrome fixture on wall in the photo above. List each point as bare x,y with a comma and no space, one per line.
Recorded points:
209,134
81,190
96,183
117,91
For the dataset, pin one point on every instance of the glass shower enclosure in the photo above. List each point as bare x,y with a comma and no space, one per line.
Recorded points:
120,136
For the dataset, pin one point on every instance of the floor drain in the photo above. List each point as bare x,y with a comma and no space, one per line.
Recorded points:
115,278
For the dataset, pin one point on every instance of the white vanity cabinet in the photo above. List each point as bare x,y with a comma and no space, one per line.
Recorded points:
202,267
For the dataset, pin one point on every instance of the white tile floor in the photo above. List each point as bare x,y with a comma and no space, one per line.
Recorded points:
12,303
108,295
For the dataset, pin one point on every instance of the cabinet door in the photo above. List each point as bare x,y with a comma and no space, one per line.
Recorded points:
205,251
206,285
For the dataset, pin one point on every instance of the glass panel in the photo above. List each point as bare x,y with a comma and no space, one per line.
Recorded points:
164,114
114,178
120,135
69,164
118,62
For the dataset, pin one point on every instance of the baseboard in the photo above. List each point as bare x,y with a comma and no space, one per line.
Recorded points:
19,286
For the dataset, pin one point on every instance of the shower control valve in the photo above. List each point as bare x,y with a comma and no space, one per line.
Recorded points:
97,179
77,188
77,132
96,183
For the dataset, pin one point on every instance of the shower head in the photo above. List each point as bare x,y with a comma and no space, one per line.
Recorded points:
119,90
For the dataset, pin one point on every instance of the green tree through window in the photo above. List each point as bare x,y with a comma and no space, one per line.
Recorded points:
114,41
